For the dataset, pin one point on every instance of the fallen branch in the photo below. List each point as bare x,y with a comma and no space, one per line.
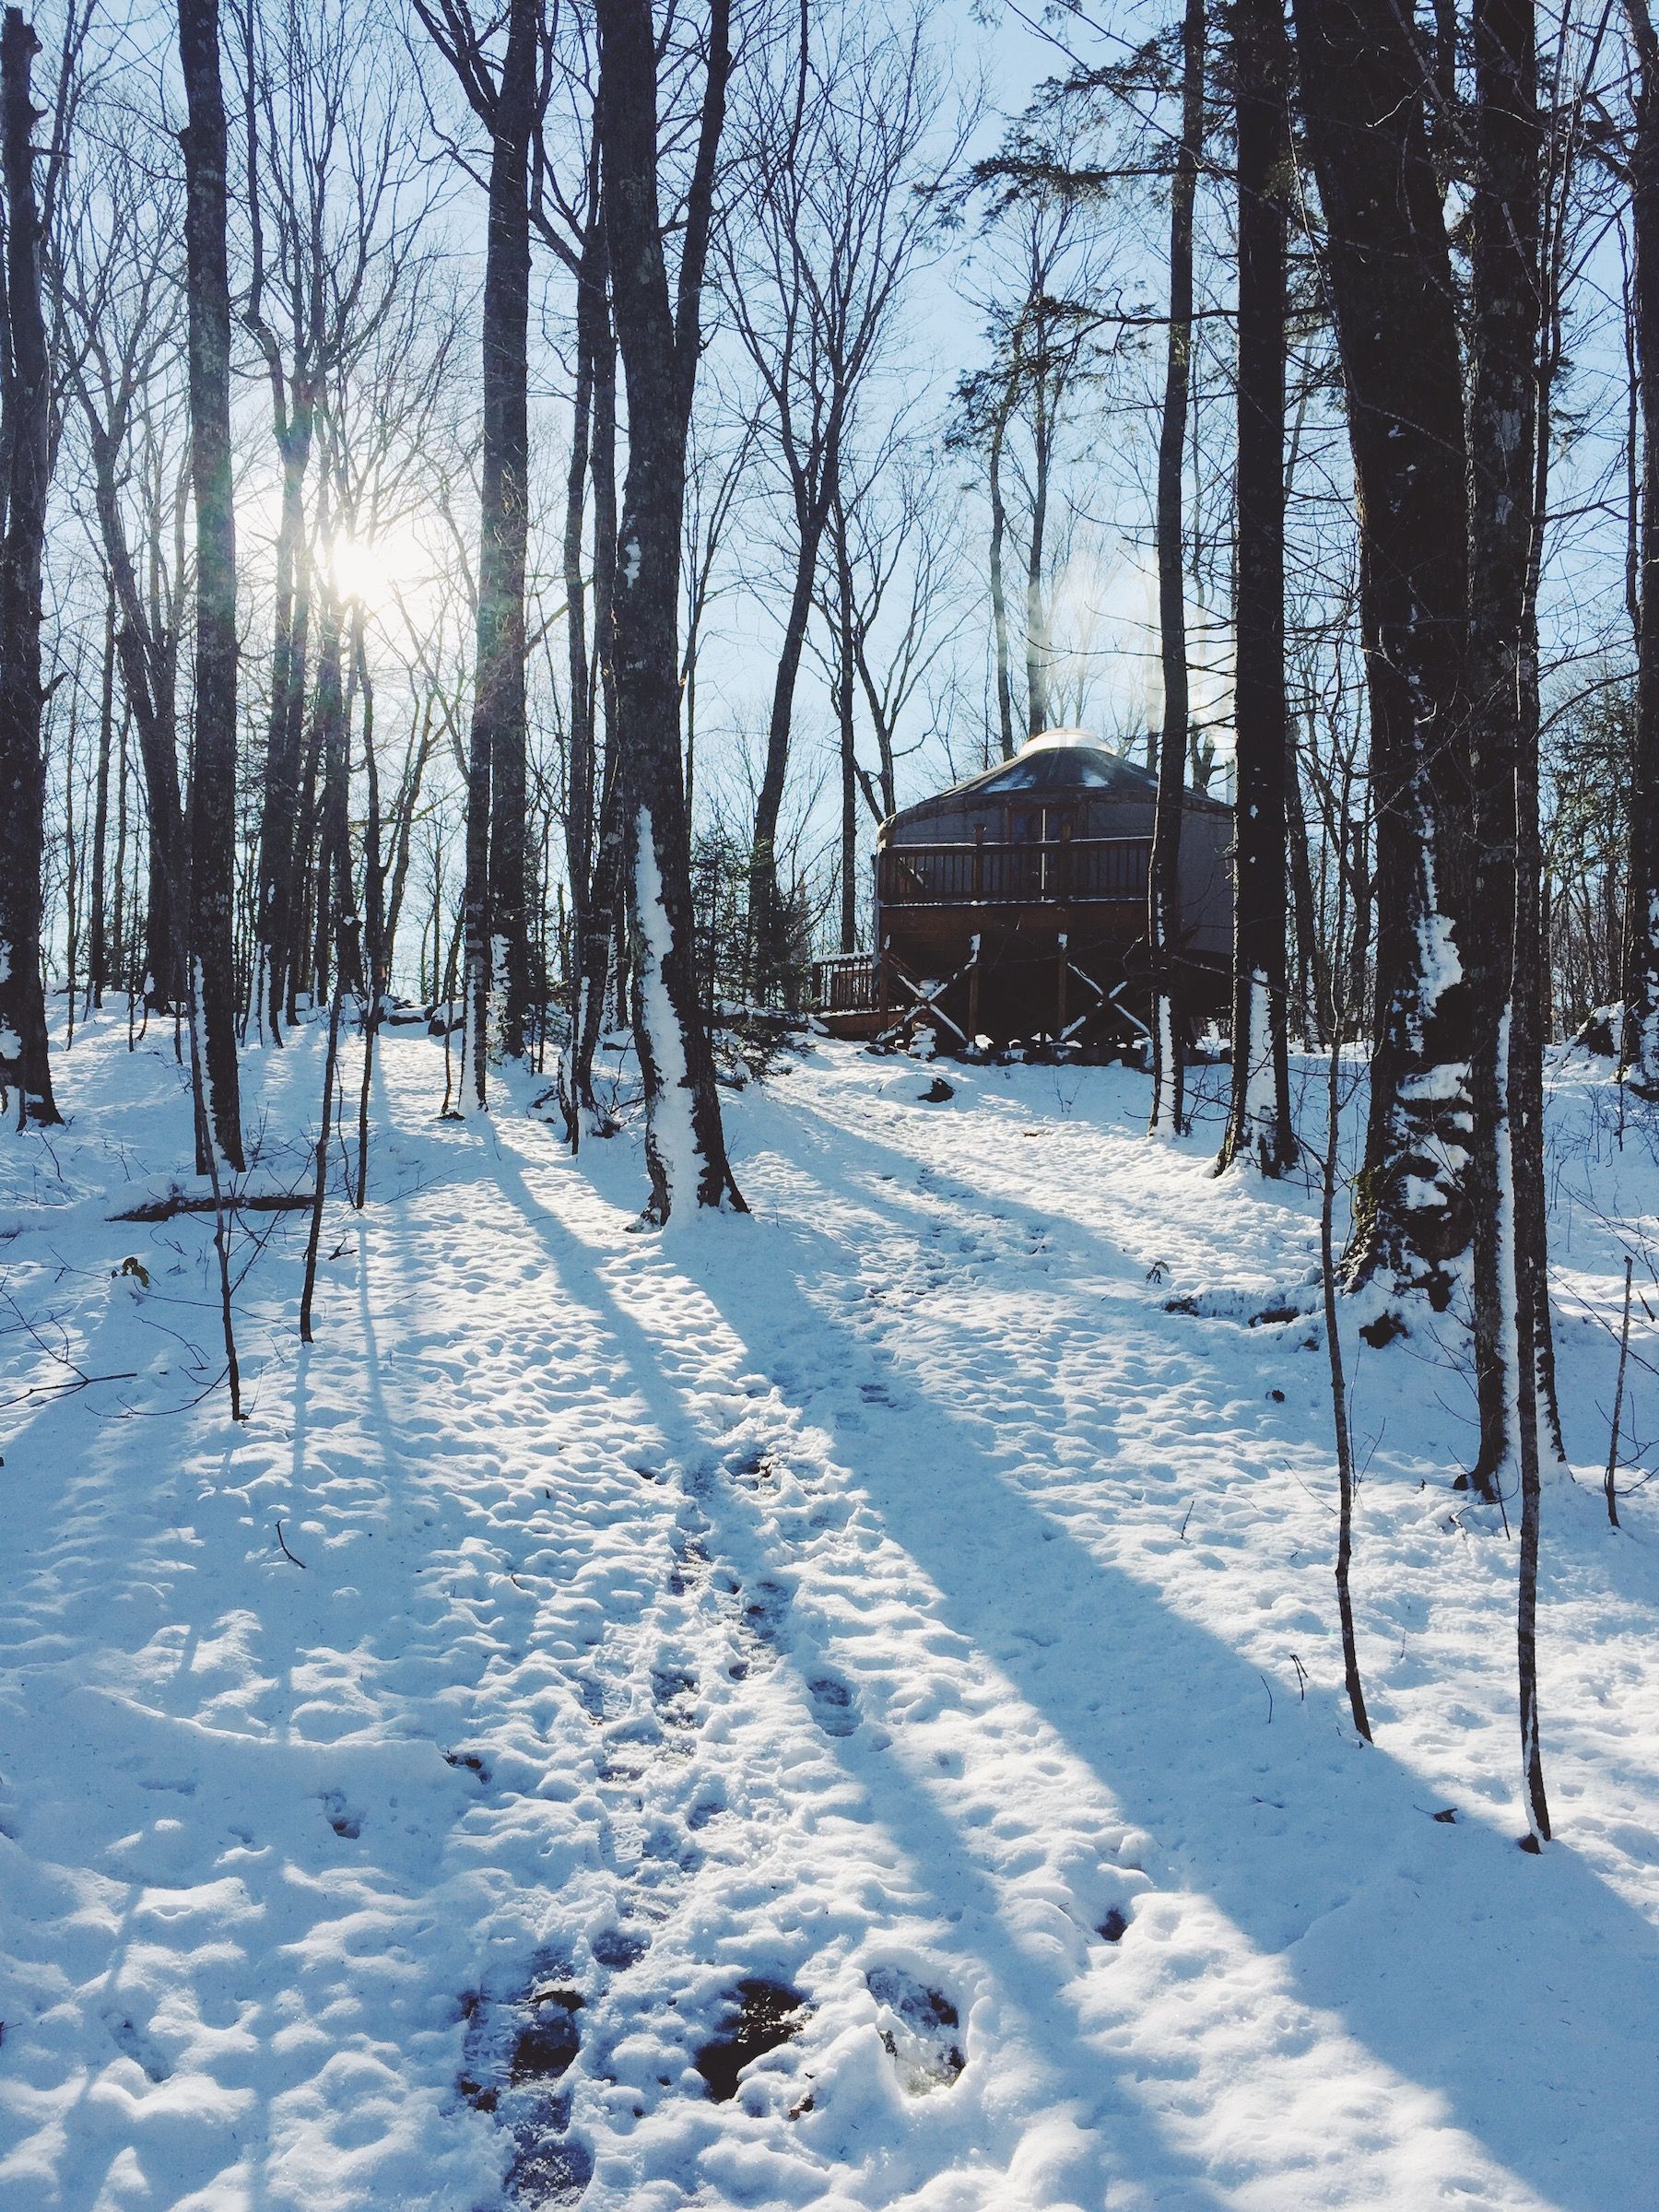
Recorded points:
249,1202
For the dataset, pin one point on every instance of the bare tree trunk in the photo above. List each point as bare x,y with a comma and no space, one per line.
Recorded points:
119,948
1163,919
279,857
999,602
149,680
1258,1124
1339,1399
604,883
1313,995
1388,271
495,902
844,672
505,515
23,1051
97,954
212,823
1641,928
377,944
498,945
584,779
685,1142
769,916
1504,334
1037,654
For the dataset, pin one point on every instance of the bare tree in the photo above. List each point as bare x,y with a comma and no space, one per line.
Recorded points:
508,98
1258,1124
28,436
1641,1043
120,300
330,223
1388,270
660,340
1163,915
212,812
840,152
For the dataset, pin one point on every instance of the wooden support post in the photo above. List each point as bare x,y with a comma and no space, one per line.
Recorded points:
973,975
979,861
1060,986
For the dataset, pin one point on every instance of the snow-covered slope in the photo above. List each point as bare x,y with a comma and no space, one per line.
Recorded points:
880,1624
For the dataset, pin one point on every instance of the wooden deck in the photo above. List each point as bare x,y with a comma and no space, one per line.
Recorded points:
1065,871
1008,940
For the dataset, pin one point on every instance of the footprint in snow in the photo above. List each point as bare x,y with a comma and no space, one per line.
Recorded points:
756,1469
143,2051
516,2053
340,1815
918,2027
674,1692
690,1566
832,1705
763,1615
760,2016
618,1949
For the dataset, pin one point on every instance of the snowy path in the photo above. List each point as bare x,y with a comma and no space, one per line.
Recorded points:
882,1596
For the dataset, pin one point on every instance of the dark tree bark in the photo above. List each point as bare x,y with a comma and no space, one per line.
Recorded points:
1163,919
1504,335
1258,1126
999,601
276,953
1505,515
1642,930
97,940
504,516
376,940
603,900
495,901
1312,993
212,817
660,342
1038,650
1389,272
845,672
148,657
582,781
28,395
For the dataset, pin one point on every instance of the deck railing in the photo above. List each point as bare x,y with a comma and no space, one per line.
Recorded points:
1065,871
844,984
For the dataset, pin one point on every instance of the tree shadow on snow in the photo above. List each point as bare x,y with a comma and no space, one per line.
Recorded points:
1513,1989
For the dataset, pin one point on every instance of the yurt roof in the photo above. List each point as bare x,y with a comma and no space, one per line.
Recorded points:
1059,761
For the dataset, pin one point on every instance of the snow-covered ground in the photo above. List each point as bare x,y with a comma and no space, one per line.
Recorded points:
880,1618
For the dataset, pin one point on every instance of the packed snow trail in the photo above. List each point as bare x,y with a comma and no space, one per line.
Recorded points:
885,1598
